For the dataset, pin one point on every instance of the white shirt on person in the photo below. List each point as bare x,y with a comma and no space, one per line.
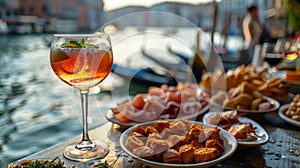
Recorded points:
252,37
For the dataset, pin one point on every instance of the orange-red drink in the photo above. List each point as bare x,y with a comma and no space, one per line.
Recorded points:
81,67
82,61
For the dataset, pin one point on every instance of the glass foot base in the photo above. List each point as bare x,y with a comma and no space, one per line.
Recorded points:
86,154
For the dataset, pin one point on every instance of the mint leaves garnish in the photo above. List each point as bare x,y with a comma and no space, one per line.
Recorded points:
74,44
77,44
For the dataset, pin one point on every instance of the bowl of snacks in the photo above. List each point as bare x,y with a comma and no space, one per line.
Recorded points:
244,98
178,143
259,77
290,113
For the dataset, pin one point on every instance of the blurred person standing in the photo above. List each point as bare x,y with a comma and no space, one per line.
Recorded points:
252,29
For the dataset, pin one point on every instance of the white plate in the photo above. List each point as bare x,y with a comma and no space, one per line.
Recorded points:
285,118
259,130
230,145
271,100
110,117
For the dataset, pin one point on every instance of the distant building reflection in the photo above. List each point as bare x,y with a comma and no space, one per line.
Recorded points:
31,16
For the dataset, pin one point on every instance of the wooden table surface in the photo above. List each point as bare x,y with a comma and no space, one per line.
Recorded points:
282,150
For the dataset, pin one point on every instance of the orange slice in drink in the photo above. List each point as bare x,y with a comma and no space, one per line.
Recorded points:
58,55
74,64
100,61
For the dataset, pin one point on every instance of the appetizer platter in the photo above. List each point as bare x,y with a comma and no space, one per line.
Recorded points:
244,98
291,112
259,77
247,132
183,143
185,101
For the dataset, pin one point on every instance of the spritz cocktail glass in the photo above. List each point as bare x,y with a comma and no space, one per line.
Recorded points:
82,61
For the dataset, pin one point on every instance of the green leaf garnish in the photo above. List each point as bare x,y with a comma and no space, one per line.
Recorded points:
78,44
82,42
74,44
55,163
91,46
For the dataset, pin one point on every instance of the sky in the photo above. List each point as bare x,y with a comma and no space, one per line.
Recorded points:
115,4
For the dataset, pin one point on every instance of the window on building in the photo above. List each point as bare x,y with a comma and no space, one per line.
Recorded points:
31,9
21,10
16,12
70,13
44,9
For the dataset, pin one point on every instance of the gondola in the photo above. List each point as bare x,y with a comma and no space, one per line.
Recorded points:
182,56
178,67
146,76
227,63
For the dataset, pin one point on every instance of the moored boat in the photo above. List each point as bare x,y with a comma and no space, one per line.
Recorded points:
146,76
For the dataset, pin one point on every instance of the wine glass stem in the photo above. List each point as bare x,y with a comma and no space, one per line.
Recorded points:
85,142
